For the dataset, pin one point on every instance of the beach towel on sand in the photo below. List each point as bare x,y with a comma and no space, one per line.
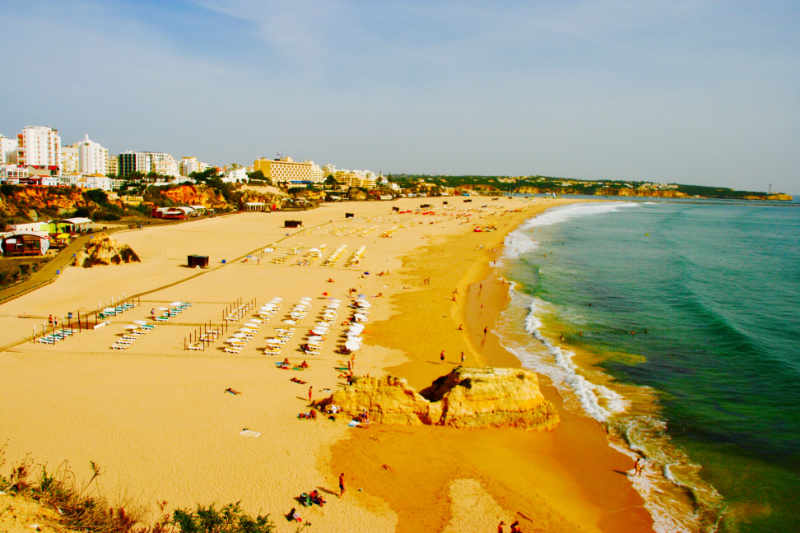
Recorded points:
249,433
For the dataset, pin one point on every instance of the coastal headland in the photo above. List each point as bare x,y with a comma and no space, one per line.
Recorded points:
203,426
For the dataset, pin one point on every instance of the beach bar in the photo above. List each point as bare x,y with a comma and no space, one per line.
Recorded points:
28,243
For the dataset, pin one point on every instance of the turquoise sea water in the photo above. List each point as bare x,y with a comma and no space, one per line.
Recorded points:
690,312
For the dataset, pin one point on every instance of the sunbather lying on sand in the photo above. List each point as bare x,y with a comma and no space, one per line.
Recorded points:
232,391
292,516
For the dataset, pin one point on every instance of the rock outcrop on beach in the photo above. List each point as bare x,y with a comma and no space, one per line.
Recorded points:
466,397
103,250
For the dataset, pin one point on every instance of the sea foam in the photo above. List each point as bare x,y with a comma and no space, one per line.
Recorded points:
519,241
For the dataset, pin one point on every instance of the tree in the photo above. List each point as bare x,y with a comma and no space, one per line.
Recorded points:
330,181
258,176
204,176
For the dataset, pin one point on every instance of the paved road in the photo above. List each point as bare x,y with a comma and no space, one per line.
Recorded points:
46,274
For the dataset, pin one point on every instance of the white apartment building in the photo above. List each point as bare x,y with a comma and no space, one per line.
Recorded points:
92,157
235,175
8,150
70,159
189,164
164,164
39,146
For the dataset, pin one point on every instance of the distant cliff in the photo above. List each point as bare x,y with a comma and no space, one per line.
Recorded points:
466,397
224,197
185,194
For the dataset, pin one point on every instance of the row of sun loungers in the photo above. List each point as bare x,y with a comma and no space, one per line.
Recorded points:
237,341
335,256
55,336
133,332
360,316
316,336
108,312
284,334
174,309
355,259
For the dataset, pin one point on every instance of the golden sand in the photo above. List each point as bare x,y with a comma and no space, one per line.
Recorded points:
157,419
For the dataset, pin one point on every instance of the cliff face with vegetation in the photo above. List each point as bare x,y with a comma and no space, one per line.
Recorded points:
474,397
185,195
220,196
27,203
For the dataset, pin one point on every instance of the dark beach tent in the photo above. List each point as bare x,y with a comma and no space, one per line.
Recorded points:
197,261
292,223
349,215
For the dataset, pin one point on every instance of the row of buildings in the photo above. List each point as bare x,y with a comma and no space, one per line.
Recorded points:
38,156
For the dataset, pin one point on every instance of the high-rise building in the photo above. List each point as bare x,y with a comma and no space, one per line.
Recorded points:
164,164
70,159
8,150
92,157
130,162
112,165
146,162
39,146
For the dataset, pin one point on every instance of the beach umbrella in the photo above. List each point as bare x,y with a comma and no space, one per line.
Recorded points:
352,345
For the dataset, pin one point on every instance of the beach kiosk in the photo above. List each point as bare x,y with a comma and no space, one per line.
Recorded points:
16,244
197,261
70,225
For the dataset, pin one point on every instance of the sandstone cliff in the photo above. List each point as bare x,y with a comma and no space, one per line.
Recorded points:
187,195
466,397
103,250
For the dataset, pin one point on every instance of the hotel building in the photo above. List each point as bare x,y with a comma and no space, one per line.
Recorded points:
286,169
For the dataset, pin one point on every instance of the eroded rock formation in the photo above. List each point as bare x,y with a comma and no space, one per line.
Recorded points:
103,250
466,397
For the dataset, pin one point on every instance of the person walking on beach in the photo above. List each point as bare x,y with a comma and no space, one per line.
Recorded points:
515,527
441,356
638,466
462,358
500,526
341,484
310,392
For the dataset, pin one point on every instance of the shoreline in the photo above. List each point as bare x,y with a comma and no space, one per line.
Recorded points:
563,497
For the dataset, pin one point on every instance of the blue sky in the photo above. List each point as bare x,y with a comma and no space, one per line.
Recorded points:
690,91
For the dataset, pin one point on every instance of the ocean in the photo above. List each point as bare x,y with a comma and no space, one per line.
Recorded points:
676,324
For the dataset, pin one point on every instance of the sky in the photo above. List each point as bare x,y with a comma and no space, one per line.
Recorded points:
687,91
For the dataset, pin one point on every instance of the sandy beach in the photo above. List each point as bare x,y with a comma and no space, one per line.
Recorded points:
158,421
